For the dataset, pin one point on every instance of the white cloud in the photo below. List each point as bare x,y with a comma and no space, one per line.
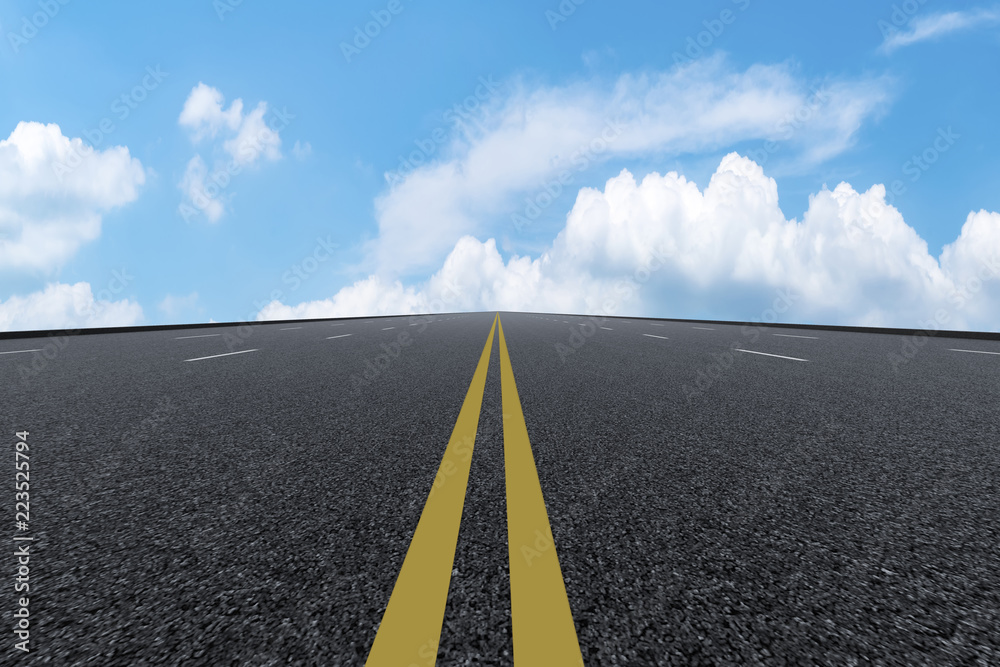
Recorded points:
174,306
852,259
254,139
63,306
193,185
923,28
203,113
53,193
370,296
302,151
526,139
246,139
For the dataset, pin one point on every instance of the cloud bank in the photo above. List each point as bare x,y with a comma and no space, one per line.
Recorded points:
663,247
518,143
62,306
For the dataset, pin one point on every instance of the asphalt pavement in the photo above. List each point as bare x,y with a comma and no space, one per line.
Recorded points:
717,494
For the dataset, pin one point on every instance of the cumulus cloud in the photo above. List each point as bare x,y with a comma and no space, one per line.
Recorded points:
203,113
520,141
54,191
923,28
63,306
370,296
254,140
239,140
664,247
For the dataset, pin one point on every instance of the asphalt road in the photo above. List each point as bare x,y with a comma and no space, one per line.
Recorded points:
829,504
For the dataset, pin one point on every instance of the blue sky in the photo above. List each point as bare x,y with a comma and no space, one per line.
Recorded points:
682,86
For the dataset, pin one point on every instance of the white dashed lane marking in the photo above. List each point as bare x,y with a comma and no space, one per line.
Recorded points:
972,351
201,336
340,336
227,354
765,354
791,336
652,336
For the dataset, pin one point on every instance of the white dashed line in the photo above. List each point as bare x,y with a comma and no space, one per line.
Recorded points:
791,336
653,324
387,328
652,336
972,351
338,324
289,328
201,336
340,336
227,354
19,351
765,354
607,329
703,328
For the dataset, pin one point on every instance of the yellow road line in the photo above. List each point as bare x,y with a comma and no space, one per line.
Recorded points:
411,626
542,621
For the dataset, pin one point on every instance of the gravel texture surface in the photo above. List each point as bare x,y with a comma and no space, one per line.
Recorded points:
709,506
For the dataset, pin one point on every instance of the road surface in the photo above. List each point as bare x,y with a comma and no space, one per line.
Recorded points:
716,494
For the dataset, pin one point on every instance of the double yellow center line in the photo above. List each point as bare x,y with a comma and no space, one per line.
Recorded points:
542,622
